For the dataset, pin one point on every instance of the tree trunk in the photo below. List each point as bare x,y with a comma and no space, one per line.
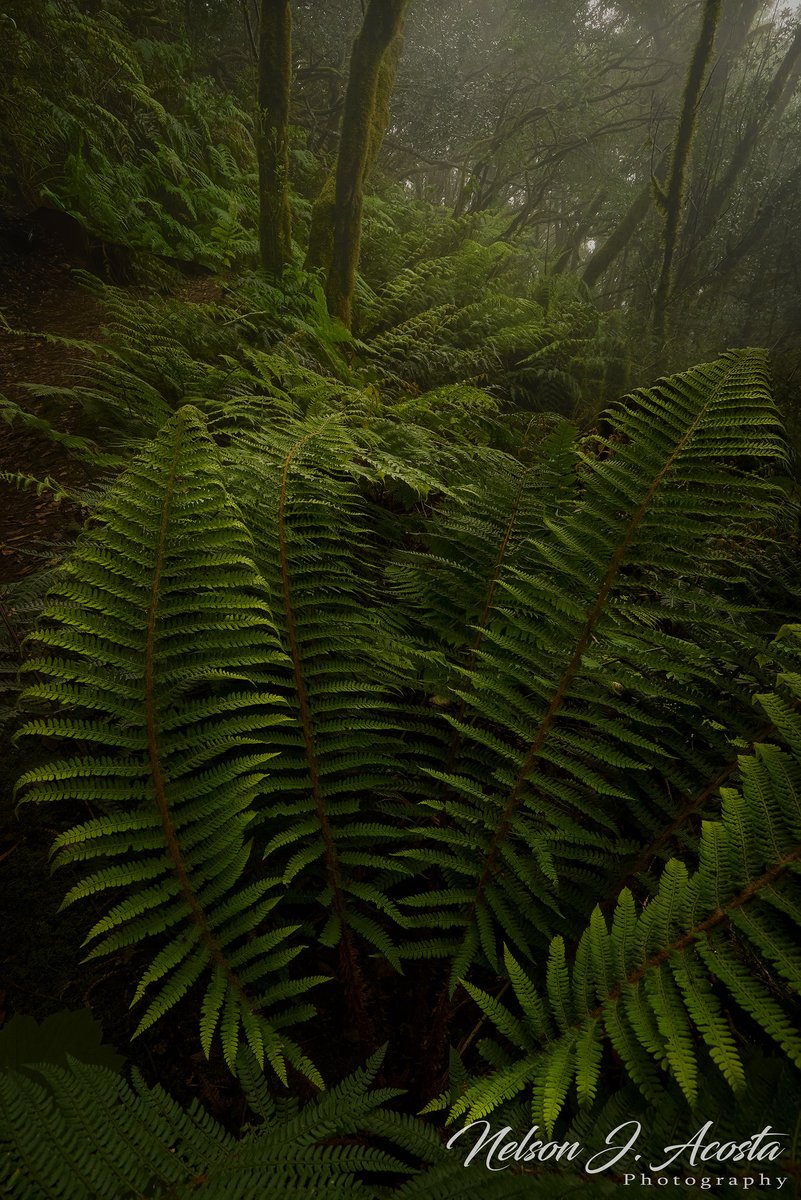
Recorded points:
749,241
603,258
572,241
779,94
321,233
253,48
682,150
373,66
605,255
272,134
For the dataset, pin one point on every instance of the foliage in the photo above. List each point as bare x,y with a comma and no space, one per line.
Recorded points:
451,756
535,342
181,543
96,132
406,684
152,1147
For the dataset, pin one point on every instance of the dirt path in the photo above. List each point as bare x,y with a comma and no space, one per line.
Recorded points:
38,295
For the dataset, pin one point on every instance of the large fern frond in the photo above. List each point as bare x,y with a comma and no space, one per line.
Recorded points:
156,647
84,1132
599,657
321,561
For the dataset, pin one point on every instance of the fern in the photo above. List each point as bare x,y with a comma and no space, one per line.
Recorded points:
146,664
549,750
452,586
91,136
82,1131
20,606
652,984
445,716
306,512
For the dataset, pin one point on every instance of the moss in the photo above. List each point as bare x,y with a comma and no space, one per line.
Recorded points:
321,233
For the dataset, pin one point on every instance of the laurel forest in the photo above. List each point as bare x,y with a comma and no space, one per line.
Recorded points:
401,660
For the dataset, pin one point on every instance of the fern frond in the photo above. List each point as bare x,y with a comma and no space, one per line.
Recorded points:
550,753
654,983
306,514
83,1131
157,646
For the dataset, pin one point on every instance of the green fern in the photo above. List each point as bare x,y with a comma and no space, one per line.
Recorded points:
323,830
466,743
550,754
90,135
156,646
655,984
82,1131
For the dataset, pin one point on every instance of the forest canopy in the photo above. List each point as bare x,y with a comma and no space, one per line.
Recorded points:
399,638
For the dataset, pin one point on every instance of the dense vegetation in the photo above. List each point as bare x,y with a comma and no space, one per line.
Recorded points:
407,686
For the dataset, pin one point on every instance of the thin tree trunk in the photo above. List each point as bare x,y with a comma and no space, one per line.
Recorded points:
252,46
682,150
372,73
779,94
321,234
638,210
603,258
750,240
272,134
571,244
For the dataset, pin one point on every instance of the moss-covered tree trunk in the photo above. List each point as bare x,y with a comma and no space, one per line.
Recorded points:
373,67
321,232
272,134
321,235
606,254
680,158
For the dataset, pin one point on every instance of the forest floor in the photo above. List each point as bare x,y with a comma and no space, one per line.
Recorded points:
40,294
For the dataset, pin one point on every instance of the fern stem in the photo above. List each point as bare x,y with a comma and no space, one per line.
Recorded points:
496,573
485,613
708,923
469,1038
12,633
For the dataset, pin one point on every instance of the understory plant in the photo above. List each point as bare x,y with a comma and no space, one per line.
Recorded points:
481,768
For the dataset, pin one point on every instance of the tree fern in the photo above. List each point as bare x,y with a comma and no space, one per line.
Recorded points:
156,647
